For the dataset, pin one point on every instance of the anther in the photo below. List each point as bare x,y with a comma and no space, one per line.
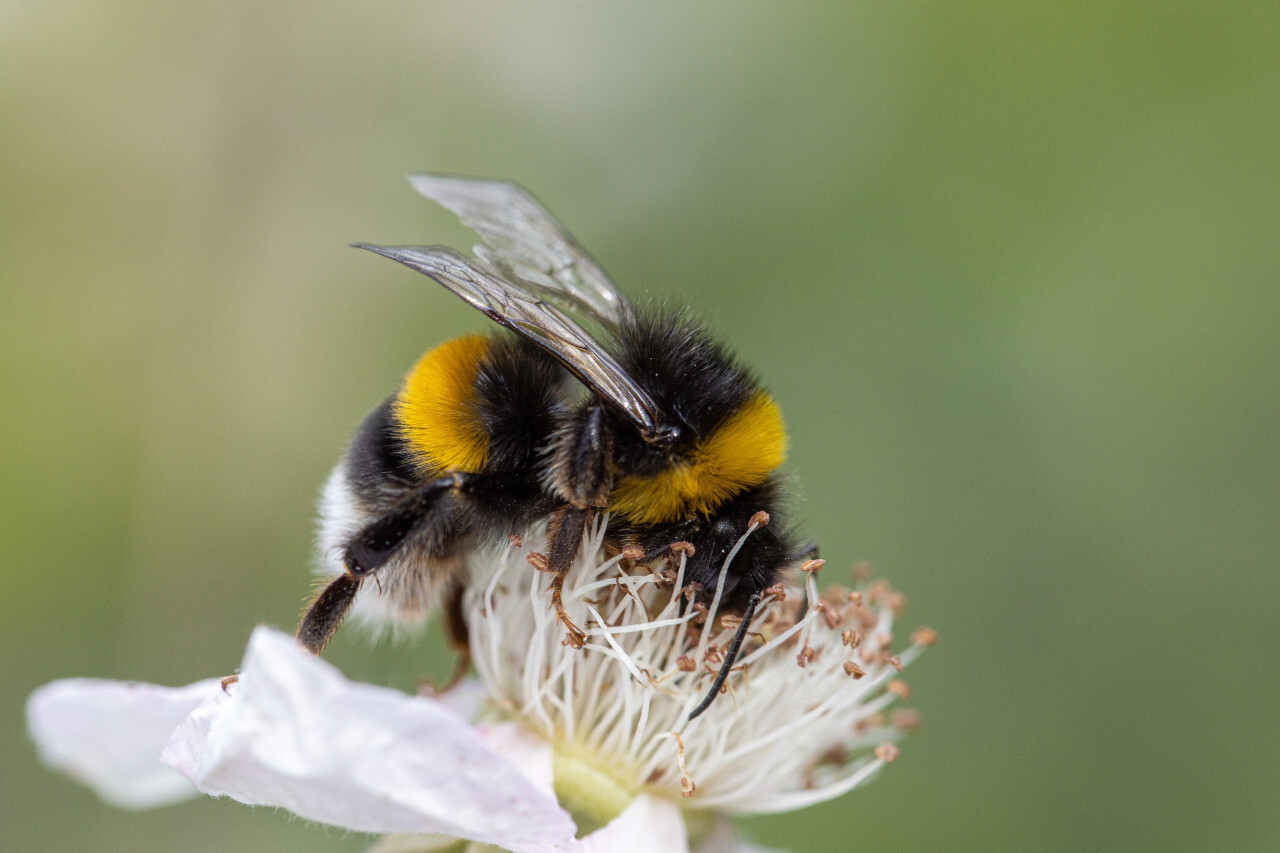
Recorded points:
806,656
898,688
759,519
837,595
685,548
515,540
887,752
633,553
905,719
924,637
852,669
684,663
538,561
850,638
812,565
871,721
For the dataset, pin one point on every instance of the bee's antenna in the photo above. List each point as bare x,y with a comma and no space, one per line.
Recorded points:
730,656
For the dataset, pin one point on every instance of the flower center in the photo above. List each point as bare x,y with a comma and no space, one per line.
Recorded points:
590,795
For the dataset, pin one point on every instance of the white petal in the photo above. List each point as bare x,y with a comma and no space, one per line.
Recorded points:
468,698
529,753
648,825
294,733
109,734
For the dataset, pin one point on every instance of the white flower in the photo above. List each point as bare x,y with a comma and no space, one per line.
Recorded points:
584,749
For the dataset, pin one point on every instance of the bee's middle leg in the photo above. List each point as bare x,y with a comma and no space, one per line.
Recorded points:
583,480
568,526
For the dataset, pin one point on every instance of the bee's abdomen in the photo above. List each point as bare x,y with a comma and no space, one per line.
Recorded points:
520,399
436,408
377,466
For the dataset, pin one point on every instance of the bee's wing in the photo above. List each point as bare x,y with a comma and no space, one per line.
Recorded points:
525,312
524,241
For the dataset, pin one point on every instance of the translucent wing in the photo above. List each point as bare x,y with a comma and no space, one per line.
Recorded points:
525,312
525,242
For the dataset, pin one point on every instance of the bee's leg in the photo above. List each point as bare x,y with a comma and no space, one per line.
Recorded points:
327,611
584,481
380,541
459,637
323,616
568,527
730,656
367,553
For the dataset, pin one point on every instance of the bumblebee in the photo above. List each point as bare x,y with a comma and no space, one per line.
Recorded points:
647,418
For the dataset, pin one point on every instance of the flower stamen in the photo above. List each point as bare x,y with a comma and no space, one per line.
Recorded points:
624,697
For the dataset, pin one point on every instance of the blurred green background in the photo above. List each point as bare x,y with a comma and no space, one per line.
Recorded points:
1010,268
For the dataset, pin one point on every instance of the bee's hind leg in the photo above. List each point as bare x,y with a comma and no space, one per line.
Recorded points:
322,618
327,612
371,548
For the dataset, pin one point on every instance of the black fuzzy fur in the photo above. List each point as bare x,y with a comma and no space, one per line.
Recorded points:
519,400
378,465
698,384
694,380
520,397
545,453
